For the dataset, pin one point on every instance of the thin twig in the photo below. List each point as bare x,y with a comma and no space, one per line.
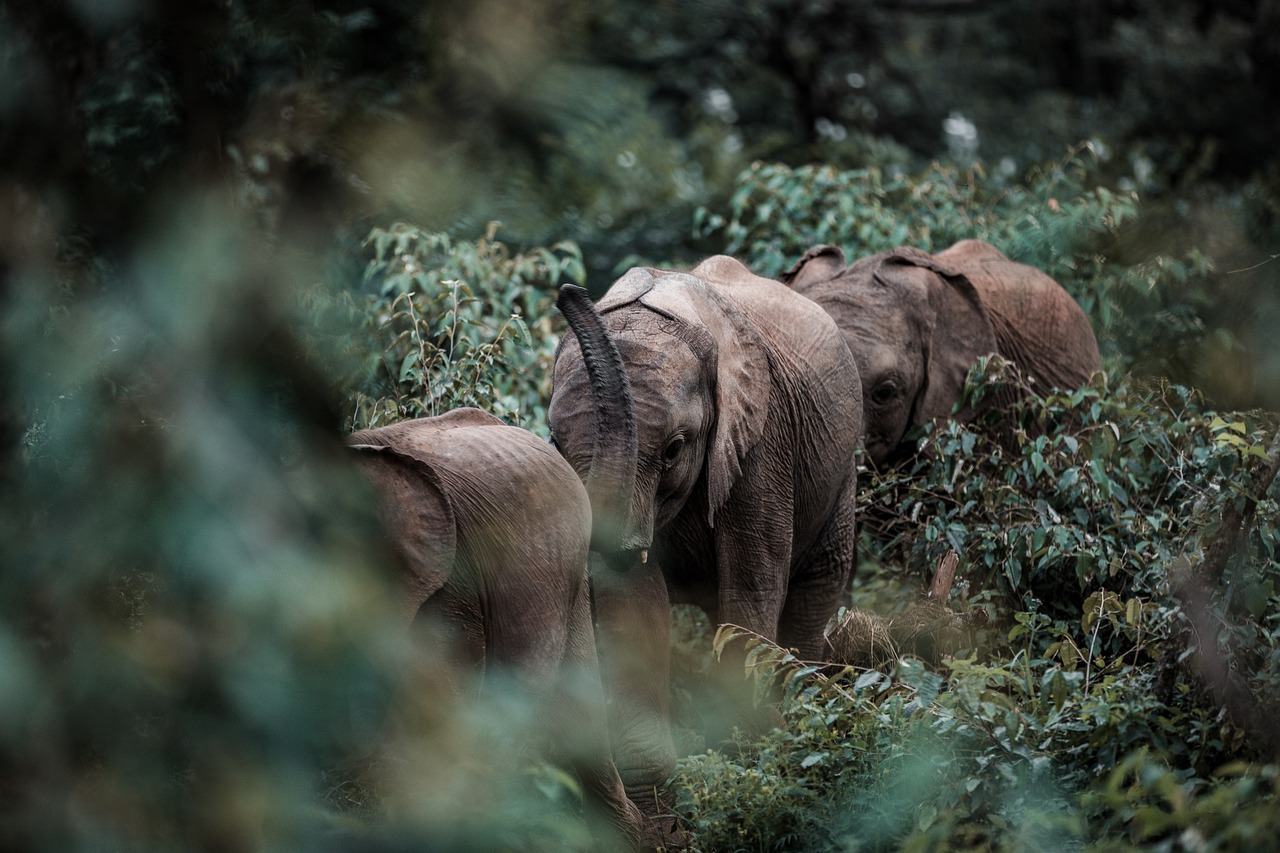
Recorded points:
1255,266
1088,662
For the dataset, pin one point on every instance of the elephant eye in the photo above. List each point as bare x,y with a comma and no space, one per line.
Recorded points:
884,392
673,449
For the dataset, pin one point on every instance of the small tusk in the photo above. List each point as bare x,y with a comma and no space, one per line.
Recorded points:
644,556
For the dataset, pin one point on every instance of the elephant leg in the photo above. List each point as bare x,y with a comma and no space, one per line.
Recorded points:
451,625
527,617
753,564
582,736
753,560
819,586
633,615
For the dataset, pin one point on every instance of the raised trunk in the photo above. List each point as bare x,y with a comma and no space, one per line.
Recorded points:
612,477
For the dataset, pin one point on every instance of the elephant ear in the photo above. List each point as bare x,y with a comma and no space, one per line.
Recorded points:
819,263
742,372
959,328
415,512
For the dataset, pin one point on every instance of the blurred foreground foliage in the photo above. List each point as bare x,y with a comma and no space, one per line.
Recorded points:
199,640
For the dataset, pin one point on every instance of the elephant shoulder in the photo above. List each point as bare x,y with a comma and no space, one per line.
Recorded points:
467,416
417,432
732,279
723,270
762,297
445,444
383,450
964,252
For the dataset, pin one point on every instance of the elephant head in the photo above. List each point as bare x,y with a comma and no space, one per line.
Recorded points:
914,324
692,401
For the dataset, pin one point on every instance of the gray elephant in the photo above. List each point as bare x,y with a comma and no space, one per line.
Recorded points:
713,416
490,529
917,322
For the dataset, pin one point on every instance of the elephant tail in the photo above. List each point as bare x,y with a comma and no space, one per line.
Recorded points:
614,456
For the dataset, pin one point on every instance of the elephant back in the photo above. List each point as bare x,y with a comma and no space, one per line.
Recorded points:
499,477
513,496
803,338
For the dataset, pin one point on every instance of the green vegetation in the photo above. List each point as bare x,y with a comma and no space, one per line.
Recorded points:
454,324
231,231
1080,716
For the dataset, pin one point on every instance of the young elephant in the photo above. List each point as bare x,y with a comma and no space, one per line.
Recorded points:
917,322
714,417
490,528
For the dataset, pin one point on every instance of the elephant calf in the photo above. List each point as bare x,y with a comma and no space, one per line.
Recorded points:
490,528
714,417
916,323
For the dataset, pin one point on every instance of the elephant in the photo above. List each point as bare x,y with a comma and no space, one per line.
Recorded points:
490,528
916,323
713,416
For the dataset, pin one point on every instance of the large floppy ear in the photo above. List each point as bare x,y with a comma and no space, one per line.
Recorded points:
960,332
415,512
742,374
819,263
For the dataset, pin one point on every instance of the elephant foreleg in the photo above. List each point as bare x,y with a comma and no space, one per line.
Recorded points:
633,615
583,737
816,591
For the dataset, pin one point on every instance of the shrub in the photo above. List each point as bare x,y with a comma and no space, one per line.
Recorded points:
451,323
1079,717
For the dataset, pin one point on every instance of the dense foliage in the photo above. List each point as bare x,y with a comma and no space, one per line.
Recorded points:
1078,716
451,324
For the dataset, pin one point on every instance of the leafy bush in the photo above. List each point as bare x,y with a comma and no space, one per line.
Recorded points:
453,323
1079,717
1100,487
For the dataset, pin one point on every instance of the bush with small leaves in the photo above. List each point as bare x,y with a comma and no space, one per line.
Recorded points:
1082,713
451,323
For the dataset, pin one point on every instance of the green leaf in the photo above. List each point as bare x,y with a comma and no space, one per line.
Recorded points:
408,366
813,758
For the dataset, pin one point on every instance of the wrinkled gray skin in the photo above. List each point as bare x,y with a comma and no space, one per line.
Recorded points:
490,528
714,420
916,323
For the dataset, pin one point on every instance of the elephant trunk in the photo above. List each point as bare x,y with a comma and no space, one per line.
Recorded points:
611,480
